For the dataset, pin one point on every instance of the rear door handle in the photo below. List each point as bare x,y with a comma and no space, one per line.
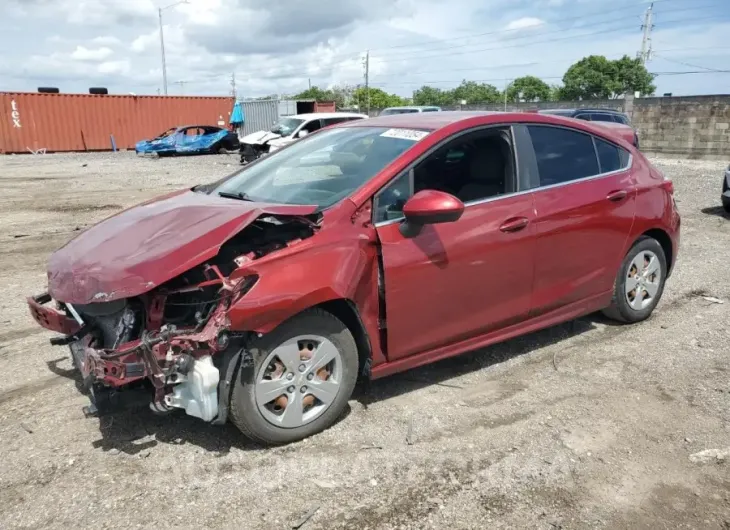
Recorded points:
616,196
514,224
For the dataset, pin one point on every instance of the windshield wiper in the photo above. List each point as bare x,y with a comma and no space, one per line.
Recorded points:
238,195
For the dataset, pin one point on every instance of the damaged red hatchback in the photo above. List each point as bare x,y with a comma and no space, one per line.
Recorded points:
362,250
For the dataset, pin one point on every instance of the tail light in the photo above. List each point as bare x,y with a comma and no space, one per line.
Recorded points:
668,185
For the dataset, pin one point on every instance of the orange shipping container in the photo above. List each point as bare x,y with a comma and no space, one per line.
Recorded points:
84,122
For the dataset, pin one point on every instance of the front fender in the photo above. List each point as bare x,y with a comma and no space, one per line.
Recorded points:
296,280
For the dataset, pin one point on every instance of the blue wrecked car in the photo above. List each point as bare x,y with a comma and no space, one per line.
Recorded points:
190,140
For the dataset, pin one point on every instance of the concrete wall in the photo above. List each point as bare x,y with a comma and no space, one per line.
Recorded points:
695,127
692,126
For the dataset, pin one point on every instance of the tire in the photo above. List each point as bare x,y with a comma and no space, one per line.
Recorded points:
620,308
247,414
726,205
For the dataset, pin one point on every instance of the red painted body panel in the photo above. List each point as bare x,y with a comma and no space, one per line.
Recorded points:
619,130
581,239
508,266
140,248
457,280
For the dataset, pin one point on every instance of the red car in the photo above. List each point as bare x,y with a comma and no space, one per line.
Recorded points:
362,250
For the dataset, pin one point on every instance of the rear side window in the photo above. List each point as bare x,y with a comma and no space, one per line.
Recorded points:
584,117
563,155
601,117
611,157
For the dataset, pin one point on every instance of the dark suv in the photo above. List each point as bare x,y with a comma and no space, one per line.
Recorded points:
594,115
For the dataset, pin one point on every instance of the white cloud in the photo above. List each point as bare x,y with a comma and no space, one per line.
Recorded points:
114,67
82,53
106,40
525,23
144,42
276,48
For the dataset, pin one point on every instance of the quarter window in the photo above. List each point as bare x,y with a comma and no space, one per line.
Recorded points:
563,155
611,157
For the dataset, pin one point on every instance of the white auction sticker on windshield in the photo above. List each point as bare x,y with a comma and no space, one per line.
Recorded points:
405,134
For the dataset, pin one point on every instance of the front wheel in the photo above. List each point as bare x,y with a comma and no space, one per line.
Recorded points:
303,375
640,282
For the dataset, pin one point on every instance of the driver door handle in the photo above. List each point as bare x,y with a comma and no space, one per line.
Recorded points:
618,195
514,224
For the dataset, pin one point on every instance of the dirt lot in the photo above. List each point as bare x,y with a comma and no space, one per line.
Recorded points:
586,425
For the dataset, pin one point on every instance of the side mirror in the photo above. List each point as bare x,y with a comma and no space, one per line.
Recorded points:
430,207
302,133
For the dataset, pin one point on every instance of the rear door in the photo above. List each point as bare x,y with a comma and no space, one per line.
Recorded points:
585,204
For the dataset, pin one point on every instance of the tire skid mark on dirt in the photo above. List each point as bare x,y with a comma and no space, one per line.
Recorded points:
33,387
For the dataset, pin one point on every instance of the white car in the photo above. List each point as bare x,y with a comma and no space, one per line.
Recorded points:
289,129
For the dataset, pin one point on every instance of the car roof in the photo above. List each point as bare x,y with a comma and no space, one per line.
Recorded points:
422,120
588,109
414,107
313,115
433,121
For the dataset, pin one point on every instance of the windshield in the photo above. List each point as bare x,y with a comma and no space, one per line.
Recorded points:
167,133
286,126
388,112
321,169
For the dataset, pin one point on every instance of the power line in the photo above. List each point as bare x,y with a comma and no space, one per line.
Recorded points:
688,64
354,57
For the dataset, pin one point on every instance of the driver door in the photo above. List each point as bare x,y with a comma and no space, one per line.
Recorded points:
454,281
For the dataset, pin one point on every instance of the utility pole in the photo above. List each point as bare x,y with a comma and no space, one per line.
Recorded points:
366,64
645,54
233,85
310,82
182,86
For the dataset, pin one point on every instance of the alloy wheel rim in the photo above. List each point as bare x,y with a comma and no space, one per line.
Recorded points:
643,280
298,381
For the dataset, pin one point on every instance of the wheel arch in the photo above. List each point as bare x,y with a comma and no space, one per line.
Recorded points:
346,311
662,237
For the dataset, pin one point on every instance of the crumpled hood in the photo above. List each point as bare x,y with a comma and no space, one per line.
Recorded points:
259,137
143,247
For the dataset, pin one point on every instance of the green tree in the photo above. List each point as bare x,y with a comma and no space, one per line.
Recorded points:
634,77
316,94
379,99
528,88
428,95
473,92
596,77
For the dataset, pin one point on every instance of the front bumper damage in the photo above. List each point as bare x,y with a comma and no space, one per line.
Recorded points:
172,368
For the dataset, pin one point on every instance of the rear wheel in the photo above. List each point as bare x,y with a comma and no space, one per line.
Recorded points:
640,282
304,373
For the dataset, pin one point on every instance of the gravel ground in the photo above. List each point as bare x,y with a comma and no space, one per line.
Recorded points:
585,425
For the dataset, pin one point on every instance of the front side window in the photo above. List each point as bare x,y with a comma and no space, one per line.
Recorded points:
584,117
563,155
473,167
321,169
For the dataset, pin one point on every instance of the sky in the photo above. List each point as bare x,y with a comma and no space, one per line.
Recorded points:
280,47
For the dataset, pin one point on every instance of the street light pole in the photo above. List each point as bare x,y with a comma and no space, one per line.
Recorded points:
162,42
162,46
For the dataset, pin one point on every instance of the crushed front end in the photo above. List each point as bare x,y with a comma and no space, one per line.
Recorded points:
165,342
172,345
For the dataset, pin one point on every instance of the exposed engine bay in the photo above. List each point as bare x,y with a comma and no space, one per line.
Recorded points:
174,342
